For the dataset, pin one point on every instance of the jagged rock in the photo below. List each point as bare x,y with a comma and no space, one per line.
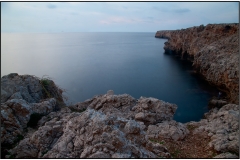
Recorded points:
15,114
148,110
222,125
214,51
21,96
46,135
28,88
104,130
132,127
27,150
151,110
90,134
226,155
168,129
217,103
80,106
109,126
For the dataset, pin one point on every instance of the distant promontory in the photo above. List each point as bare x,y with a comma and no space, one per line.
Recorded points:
214,51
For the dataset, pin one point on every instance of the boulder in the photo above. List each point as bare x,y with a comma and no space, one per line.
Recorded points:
168,129
29,88
25,86
151,110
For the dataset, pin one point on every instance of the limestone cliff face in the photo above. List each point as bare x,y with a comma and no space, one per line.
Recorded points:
214,51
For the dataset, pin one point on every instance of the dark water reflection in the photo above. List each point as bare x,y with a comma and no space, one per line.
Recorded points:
88,64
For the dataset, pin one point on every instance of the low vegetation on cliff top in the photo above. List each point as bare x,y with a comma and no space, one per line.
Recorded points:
50,90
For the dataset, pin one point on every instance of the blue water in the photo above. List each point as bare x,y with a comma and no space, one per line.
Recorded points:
88,64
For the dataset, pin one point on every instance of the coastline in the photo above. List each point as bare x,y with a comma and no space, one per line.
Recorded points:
213,50
36,123
40,128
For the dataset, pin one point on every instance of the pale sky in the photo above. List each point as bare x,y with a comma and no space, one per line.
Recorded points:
113,16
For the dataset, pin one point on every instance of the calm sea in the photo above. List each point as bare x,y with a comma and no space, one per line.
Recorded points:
88,64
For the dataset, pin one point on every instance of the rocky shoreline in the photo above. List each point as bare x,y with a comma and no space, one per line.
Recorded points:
214,51
35,123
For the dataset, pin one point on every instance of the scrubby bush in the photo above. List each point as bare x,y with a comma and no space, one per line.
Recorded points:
51,90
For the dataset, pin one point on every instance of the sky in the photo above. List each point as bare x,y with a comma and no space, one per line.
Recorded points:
51,17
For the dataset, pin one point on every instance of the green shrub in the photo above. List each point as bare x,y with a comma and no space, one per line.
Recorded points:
175,154
46,82
51,90
44,152
191,127
156,141
19,138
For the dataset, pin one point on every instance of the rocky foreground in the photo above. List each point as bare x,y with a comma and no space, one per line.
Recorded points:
214,51
35,123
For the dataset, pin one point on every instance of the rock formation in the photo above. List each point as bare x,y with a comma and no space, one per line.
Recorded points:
105,126
23,97
214,51
90,134
222,125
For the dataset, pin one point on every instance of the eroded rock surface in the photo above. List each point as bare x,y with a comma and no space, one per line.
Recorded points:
24,87
21,96
29,88
15,114
226,156
111,126
222,125
102,127
214,51
147,110
168,129
90,134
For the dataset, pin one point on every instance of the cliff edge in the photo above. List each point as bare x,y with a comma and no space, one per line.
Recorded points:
214,51
106,126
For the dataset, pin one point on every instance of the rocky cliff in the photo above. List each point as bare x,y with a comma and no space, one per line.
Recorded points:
214,51
23,99
107,126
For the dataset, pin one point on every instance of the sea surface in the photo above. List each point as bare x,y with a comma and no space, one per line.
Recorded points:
89,64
